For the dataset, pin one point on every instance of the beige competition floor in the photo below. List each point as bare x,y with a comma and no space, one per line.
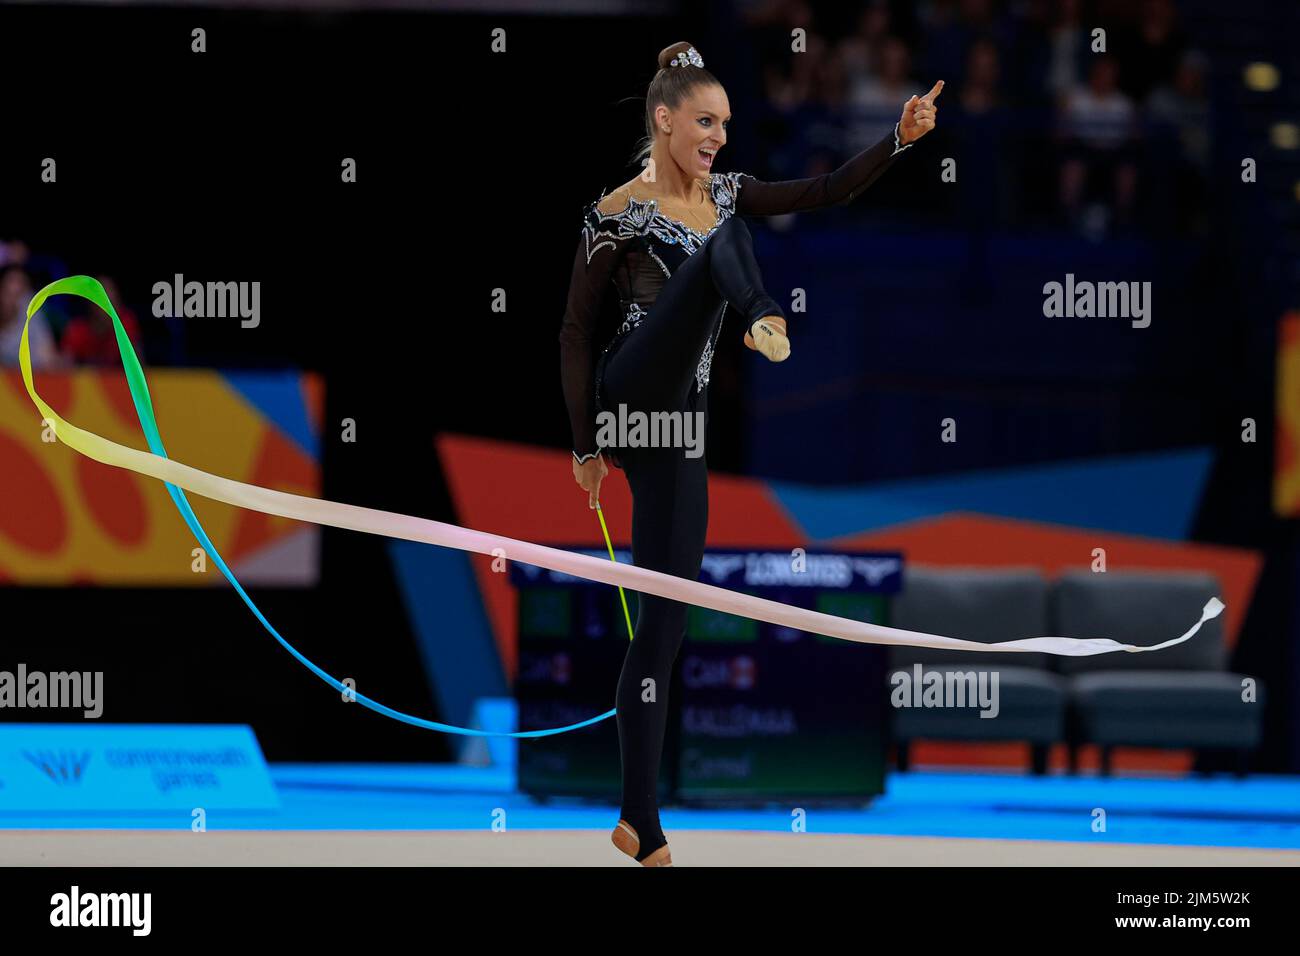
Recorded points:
582,848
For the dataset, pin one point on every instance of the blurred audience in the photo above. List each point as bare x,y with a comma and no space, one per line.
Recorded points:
86,337
1153,51
1180,107
89,338
1087,123
1049,130
876,98
1098,126
980,124
14,252
15,294
1180,116
1068,48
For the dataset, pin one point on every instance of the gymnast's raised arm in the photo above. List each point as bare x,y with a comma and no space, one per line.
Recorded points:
758,198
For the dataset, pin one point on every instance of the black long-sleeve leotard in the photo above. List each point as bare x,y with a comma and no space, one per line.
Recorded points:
637,248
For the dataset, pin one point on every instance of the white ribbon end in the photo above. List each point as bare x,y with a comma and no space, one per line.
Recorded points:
1213,608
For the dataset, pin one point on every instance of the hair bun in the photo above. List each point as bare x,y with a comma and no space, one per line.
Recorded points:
667,53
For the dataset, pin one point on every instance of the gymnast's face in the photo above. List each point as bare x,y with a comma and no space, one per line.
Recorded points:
698,129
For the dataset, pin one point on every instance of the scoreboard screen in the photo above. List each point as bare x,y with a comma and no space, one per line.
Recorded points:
757,712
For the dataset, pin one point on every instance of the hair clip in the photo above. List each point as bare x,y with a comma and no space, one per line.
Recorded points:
691,57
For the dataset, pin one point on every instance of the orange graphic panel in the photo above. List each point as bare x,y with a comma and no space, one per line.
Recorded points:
65,519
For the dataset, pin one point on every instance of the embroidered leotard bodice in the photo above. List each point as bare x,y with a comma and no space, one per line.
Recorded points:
657,238
635,242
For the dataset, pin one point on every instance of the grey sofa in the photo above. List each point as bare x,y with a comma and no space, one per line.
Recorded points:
986,605
1180,697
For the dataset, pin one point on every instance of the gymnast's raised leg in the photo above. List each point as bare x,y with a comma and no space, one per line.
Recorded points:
654,370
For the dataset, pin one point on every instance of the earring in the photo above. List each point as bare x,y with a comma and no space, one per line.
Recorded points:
664,128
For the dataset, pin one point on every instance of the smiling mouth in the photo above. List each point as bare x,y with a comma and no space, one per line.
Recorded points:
706,157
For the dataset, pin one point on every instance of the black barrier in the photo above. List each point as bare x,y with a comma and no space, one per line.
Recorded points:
757,712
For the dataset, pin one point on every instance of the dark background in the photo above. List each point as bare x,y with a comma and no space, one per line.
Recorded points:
473,168
472,171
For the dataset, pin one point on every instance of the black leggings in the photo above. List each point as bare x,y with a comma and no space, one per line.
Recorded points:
653,369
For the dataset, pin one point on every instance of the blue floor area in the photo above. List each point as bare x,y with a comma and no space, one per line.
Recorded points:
1261,812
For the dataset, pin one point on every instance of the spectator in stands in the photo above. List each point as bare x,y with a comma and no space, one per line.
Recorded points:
1151,54
979,89
792,107
824,131
41,267
15,293
1028,60
874,99
981,130
1181,106
13,251
950,30
769,24
1180,124
860,53
1098,127
89,338
791,90
1069,47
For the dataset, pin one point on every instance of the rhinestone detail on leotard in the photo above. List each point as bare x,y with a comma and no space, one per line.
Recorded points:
642,218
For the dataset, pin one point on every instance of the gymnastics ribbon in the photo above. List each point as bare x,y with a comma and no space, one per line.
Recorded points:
334,514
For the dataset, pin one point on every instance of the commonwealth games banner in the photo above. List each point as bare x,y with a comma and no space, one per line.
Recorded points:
136,767
68,520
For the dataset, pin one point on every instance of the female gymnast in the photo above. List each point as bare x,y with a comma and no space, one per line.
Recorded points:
672,243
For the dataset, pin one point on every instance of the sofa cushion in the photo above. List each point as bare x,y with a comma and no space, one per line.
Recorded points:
974,604
1166,709
1029,704
1164,693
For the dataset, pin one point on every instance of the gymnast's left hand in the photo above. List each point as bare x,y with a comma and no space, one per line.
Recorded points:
589,475
919,115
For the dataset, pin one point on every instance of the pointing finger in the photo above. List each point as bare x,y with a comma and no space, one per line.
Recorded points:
934,93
